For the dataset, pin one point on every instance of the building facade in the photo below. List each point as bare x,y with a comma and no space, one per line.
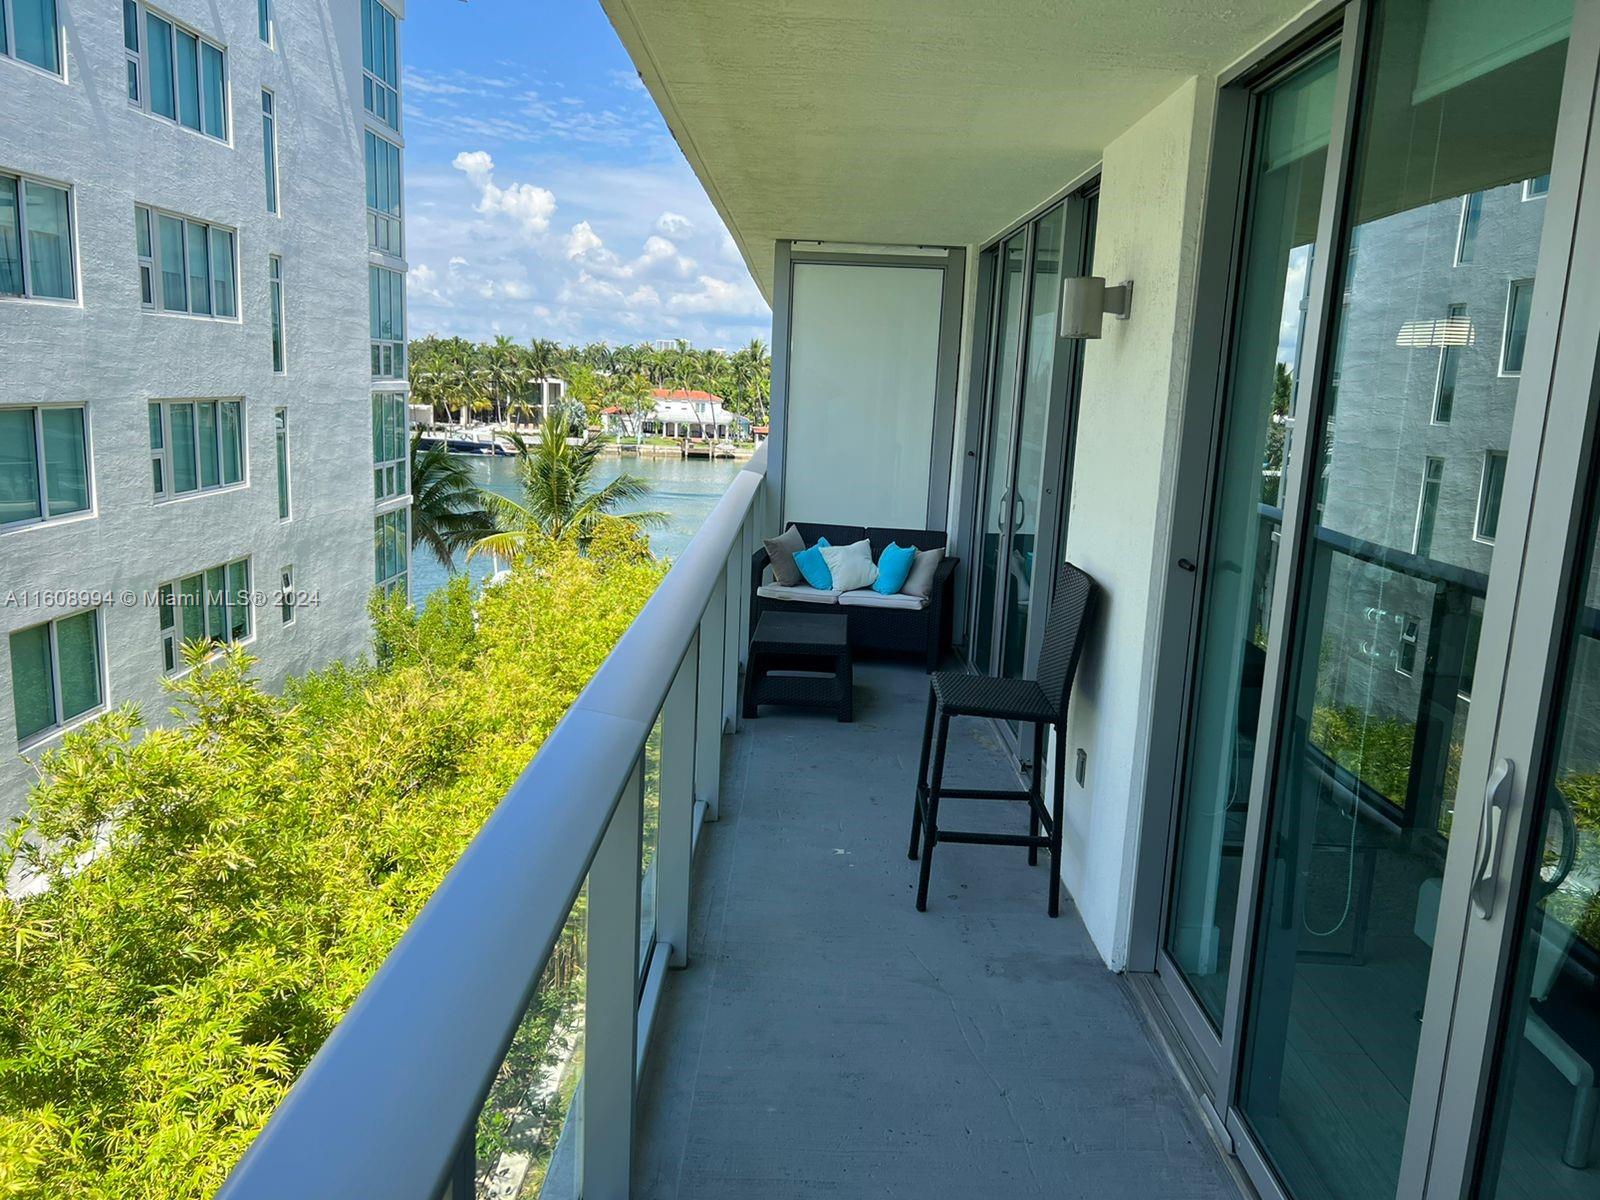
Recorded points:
185,258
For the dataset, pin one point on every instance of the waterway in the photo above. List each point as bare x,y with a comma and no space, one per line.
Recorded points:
686,489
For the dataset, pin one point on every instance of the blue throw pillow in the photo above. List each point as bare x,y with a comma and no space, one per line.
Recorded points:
814,568
894,566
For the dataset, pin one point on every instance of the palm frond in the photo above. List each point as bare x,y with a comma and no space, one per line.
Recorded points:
506,544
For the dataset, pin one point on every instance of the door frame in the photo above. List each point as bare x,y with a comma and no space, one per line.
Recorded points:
1182,604
1551,480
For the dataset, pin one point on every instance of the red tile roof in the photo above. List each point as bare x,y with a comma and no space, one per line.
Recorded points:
683,394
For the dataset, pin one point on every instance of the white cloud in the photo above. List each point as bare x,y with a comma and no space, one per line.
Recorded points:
674,224
527,204
723,296
583,240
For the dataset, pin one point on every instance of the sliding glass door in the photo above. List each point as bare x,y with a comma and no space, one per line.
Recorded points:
994,506
1027,426
1380,920
1419,396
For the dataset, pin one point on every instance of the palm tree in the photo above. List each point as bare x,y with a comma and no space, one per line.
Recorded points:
448,514
506,372
558,499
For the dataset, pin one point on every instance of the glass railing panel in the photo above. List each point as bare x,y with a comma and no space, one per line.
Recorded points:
531,1101
649,840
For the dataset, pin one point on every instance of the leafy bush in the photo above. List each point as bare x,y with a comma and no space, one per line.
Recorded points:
216,894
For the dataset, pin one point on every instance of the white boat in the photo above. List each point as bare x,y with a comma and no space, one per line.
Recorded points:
478,441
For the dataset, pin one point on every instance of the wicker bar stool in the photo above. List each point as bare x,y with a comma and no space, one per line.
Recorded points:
1041,702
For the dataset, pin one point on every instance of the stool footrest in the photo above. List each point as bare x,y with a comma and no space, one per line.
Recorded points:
975,838
986,794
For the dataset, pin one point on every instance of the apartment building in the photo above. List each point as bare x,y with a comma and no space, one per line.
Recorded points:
185,260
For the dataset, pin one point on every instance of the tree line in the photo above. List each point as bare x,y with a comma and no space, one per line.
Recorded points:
499,380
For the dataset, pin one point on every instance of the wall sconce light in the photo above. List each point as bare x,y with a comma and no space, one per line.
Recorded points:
1086,300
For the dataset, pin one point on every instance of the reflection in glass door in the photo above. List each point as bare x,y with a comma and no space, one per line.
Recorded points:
994,509
1292,122
1392,564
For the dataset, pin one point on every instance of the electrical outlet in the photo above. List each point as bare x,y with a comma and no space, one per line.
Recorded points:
1082,767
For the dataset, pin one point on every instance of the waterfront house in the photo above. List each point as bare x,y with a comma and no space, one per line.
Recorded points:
677,413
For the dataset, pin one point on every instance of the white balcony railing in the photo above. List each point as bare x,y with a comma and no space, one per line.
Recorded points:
390,1105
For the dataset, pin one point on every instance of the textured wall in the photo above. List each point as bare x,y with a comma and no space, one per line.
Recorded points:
1149,223
107,353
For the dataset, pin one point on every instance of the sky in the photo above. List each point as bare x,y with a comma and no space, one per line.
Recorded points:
545,196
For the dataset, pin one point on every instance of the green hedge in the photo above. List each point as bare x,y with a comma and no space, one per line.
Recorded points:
218,892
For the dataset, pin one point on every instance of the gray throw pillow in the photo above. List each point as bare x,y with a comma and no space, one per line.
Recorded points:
781,550
920,581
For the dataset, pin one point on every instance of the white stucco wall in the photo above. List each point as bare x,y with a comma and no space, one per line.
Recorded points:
104,351
1133,378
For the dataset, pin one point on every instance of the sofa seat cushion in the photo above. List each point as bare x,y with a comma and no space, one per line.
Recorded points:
867,598
802,592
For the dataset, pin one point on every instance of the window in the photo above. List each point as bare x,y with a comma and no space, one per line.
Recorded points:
36,259
130,44
380,61
1428,506
280,439
56,673
383,195
210,606
1455,333
1489,489
196,446
1405,660
30,33
1536,188
192,261
44,464
1519,304
176,74
391,546
390,467
264,20
1471,216
387,294
275,288
269,149
286,595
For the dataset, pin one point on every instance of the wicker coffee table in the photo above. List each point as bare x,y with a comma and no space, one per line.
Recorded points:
800,659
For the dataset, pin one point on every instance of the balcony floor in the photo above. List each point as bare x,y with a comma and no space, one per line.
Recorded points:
829,1040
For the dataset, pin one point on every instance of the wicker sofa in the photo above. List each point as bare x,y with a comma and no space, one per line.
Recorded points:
884,627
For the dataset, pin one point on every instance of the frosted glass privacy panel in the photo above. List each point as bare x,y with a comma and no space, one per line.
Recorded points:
863,381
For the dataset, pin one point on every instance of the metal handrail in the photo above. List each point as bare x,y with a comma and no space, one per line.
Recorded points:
383,1107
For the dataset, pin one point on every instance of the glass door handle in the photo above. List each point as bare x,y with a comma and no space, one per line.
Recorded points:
1497,796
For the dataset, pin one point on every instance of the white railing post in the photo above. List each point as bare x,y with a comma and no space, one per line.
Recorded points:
708,703
730,646
611,990
751,533
675,833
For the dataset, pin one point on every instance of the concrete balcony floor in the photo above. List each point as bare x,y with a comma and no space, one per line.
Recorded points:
829,1040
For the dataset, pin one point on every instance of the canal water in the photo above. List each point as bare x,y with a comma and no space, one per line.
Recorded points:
686,489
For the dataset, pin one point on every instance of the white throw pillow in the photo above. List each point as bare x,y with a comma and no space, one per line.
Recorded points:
851,566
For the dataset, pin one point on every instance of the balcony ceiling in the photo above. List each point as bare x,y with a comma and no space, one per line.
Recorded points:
912,121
